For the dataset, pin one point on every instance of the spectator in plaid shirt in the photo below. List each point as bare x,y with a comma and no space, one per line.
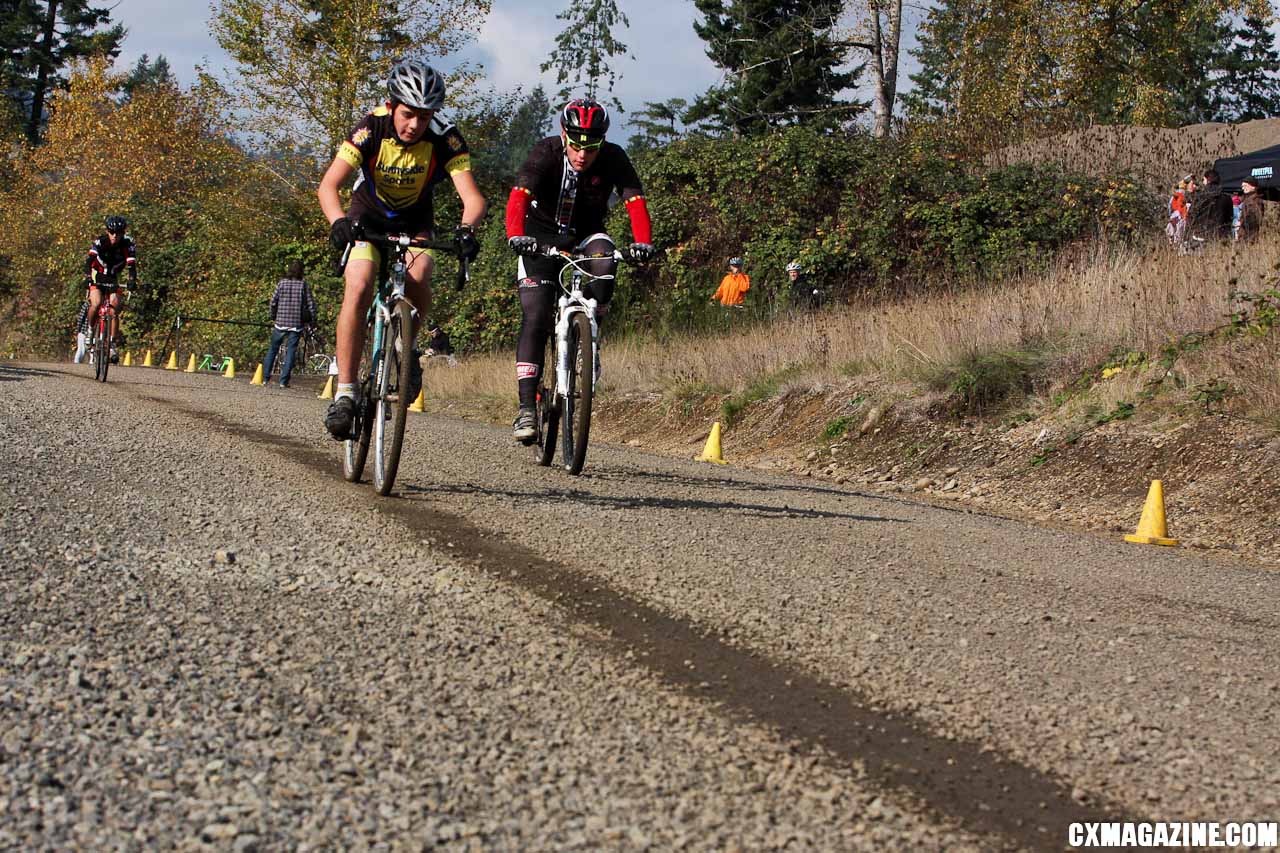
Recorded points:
292,309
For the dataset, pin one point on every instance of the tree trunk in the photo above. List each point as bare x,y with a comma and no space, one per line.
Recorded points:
885,39
45,58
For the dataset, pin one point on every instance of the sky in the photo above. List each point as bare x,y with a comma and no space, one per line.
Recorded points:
665,58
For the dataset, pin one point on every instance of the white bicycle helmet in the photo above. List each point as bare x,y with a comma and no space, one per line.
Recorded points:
794,266
416,84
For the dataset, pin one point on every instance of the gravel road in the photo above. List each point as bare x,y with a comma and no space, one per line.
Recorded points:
208,640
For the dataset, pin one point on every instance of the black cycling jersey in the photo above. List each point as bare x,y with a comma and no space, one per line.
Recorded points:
107,260
569,203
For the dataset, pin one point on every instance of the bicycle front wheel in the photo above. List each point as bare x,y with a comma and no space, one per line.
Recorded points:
356,450
391,402
102,352
575,400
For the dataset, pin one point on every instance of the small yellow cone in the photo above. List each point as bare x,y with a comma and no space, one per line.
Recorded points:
128,359
257,377
420,404
711,452
191,364
173,361
327,393
146,360
230,371
1151,527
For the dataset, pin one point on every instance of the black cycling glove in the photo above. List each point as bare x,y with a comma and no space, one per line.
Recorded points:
642,252
340,233
523,245
468,245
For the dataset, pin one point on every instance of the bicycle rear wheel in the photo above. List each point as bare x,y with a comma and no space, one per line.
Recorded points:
575,400
102,350
356,450
391,401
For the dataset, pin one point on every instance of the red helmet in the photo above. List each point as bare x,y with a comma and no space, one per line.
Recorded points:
584,119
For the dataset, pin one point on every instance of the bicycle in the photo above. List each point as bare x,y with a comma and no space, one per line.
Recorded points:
99,349
386,365
565,407
313,355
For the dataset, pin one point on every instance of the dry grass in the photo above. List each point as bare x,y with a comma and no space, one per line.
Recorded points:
1071,317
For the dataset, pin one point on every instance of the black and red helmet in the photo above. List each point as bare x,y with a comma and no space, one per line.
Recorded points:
584,118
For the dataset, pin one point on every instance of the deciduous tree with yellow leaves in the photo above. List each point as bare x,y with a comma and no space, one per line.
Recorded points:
1012,68
309,69
212,225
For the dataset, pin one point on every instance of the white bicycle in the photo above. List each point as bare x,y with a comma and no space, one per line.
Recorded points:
565,407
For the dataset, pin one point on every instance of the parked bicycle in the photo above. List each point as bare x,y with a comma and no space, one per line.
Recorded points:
313,353
382,401
565,407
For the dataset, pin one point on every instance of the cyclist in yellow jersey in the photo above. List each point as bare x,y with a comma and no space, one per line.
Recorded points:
400,151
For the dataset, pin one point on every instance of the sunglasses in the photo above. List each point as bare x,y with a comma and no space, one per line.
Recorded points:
584,145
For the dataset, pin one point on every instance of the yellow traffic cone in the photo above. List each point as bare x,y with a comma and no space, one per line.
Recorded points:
257,376
146,361
420,404
230,370
191,364
1151,527
173,361
327,393
128,359
711,452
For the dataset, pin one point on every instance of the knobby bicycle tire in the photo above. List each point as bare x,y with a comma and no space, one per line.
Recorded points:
392,404
548,421
356,450
102,355
576,400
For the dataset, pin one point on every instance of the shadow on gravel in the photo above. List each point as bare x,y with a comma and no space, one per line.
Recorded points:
630,502
963,782
12,373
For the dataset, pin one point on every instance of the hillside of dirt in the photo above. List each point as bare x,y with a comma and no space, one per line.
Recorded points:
1158,155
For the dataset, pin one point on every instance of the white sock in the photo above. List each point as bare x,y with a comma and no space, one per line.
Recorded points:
345,389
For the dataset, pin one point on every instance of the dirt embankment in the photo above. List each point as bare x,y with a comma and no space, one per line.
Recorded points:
1221,473
1160,156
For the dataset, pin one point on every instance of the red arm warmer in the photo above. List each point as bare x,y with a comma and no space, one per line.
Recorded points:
517,207
641,228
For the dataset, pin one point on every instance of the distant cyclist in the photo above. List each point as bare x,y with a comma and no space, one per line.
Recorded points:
110,255
804,294
401,151
561,198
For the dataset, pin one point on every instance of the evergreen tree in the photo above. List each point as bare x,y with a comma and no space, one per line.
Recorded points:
146,74
585,48
66,30
1250,88
782,63
657,123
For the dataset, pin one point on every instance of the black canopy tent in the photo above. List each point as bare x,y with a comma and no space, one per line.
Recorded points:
1263,166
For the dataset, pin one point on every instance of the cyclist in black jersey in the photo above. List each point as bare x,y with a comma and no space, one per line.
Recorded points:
561,198
401,151
110,254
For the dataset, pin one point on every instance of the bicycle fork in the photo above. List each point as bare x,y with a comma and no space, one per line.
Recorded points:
569,306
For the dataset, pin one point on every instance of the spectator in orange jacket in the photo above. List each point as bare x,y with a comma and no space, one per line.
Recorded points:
734,286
